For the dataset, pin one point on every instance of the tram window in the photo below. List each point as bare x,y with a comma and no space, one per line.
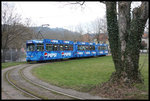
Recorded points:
102,48
83,47
40,47
55,47
106,47
86,47
49,47
99,47
71,47
90,48
30,47
61,47
93,47
66,47
79,47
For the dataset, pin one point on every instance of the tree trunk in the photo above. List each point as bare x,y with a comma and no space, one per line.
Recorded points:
3,55
125,39
113,34
134,43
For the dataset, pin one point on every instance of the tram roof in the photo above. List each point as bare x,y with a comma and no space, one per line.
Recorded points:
50,41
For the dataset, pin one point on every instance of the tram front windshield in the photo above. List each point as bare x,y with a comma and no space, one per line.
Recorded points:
30,47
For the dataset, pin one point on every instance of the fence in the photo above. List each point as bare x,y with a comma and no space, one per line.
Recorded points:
13,55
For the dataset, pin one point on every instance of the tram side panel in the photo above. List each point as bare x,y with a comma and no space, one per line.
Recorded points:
79,49
101,49
62,49
92,49
51,49
32,54
66,49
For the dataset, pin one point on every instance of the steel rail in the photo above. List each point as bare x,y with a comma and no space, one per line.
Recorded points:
42,86
17,87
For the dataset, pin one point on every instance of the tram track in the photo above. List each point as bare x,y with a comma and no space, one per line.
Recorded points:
22,79
46,88
13,79
72,93
17,87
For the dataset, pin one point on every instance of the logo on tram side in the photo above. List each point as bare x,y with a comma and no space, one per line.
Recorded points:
29,41
56,41
87,52
106,51
83,42
101,52
66,41
91,43
66,54
80,53
50,54
94,52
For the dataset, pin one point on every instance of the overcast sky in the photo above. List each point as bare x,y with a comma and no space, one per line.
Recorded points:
60,14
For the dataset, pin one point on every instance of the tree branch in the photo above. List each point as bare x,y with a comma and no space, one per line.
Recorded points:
78,2
144,10
103,2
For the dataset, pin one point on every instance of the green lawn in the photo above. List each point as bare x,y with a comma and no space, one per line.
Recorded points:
9,64
83,74
144,70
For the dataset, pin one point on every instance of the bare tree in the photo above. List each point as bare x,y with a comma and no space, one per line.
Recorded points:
14,34
79,29
87,28
99,26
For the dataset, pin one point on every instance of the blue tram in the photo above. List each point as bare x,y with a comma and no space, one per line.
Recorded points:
50,49
102,49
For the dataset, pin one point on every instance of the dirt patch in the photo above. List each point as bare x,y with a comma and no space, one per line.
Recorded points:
118,91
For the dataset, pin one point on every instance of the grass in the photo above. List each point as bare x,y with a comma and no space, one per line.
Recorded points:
144,70
9,64
84,74
80,74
